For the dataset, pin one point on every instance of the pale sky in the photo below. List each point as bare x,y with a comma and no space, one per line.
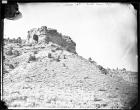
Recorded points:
105,32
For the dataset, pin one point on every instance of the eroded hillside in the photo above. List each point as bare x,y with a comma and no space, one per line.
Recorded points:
48,76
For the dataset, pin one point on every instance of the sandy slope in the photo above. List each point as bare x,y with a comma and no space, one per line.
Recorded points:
72,82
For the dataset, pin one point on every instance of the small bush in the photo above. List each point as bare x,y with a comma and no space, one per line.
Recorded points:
52,45
49,55
58,59
64,56
16,53
91,61
124,70
5,71
58,48
35,52
30,45
32,58
102,69
19,40
11,66
64,65
96,99
10,48
20,46
53,50
9,52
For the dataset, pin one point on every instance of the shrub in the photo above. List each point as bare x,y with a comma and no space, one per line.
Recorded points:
5,71
53,50
16,53
11,66
124,69
16,64
102,69
64,65
52,45
19,40
32,58
29,45
35,52
49,55
58,59
20,46
58,48
91,61
96,99
64,56
10,48
9,52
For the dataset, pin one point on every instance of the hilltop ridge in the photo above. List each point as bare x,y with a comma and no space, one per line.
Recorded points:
46,35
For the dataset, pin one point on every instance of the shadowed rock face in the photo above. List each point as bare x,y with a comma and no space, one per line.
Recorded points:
52,35
35,37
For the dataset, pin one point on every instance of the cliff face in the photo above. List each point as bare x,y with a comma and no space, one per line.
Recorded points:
51,35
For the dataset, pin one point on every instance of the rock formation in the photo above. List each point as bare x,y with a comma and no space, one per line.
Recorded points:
51,35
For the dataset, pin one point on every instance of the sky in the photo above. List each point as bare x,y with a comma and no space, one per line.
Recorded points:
106,32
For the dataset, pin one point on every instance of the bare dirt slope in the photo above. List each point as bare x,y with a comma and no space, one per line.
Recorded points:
62,80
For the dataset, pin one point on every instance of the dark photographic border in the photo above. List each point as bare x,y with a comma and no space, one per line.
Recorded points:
3,5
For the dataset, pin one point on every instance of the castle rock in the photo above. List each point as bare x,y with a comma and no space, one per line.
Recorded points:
44,34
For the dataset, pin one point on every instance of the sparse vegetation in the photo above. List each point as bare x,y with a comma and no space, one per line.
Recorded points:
96,99
49,55
52,45
103,105
64,56
19,40
14,40
91,61
104,71
35,52
64,65
9,52
10,48
53,50
58,59
5,71
32,58
29,44
101,89
116,71
16,53
58,48
11,66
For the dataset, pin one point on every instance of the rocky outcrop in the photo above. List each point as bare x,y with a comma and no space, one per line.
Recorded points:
51,35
